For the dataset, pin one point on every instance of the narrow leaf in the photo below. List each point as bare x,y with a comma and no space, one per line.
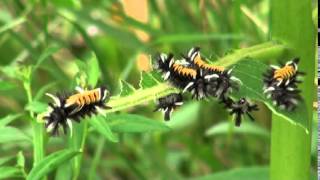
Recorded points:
12,24
131,123
50,163
8,119
10,172
46,53
93,70
43,90
100,125
11,135
6,159
36,107
245,128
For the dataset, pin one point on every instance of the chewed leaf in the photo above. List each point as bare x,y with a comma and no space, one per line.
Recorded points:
126,88
147,80
157,76
250,72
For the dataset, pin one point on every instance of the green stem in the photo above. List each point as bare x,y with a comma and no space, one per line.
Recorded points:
291,23
38,138
265,51
97,157
139,97
78,143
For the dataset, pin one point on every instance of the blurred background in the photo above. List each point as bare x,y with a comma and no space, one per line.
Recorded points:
124,35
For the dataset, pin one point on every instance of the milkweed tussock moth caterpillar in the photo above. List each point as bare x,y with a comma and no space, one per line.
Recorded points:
281,85
67,107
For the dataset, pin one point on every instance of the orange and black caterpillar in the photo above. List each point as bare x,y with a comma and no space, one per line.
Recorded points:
221,79
196,60
280,84
74,107
182,77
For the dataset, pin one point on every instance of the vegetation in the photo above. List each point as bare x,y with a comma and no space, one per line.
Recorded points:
53,46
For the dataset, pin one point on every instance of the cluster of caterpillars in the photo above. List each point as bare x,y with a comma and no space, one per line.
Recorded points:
203,80
192,74
195,75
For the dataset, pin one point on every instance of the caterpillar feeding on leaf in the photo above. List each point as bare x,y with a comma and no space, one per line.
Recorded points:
281,85
221,80
68,107
182,77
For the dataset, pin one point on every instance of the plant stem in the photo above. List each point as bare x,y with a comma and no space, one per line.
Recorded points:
38,138
265,51
97,157
140,97
291,23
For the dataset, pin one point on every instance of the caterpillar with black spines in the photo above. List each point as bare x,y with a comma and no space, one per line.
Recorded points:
221,79
185,78
281,85
239,108
67,107
168,103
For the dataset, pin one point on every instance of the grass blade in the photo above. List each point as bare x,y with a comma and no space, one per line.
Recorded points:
100,125
50,163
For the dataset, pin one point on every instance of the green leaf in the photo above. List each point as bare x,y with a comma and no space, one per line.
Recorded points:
131,123
10,172
45,55
50,163
126,88
184,116
43,90
12,24
6,159
147,80
8,119
249,173
100,125
11,135
6,85
250,73
63,171
245,128
93,70
36,107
